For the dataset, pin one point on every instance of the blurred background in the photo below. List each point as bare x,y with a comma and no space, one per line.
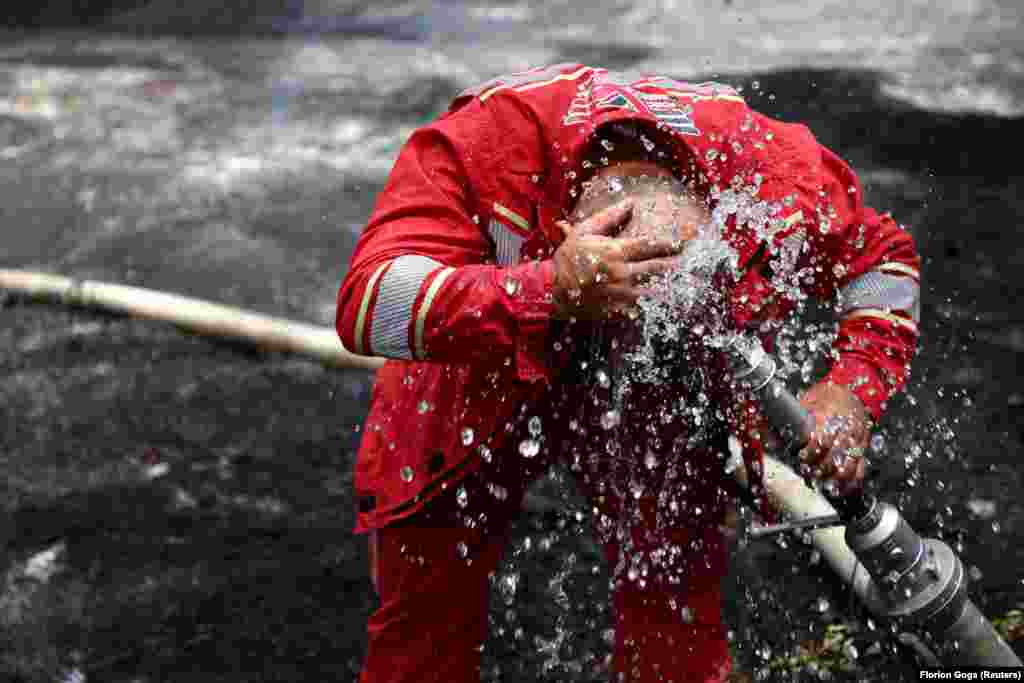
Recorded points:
179,508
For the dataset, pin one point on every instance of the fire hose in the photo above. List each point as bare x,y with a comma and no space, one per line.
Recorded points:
918,585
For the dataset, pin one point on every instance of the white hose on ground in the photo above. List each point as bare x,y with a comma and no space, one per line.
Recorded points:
196,315
788,493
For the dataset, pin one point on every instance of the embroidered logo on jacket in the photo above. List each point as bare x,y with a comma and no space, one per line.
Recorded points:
580,107
615,100
667,109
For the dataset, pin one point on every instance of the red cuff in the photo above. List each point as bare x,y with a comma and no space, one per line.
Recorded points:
531,286
864,380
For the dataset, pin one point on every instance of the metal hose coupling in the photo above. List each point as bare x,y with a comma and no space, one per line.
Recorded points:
757,372
917,584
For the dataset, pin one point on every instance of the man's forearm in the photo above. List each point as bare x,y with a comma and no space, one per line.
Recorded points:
415,308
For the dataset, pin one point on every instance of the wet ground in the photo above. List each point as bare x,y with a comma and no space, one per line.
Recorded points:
179,508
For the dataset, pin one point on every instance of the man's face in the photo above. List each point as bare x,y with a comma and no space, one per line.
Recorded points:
666,213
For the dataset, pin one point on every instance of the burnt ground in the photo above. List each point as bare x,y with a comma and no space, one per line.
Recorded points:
197,494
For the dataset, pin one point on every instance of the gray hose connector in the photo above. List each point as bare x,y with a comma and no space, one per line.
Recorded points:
918,584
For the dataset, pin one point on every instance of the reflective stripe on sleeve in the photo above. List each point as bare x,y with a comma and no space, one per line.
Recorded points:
793,244
899,268
795,218
879,290
392,315
507,243
364,306
882,315
421,317
512,216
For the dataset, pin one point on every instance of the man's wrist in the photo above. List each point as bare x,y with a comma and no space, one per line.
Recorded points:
863,381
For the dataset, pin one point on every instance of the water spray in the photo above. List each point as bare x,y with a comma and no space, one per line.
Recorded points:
918,585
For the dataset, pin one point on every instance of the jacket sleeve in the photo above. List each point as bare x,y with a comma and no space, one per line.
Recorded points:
863,262
423,283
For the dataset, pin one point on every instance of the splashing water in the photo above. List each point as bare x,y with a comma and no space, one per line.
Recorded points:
686,311
686,299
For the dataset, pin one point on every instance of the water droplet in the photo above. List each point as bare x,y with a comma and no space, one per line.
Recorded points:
422,407
156,471
981,508
467,436
974,573
602,379
711,154
462,497
407,474
822,605
462,549
511,286
637,489
507,587
74,676
610,419
485,453
877,443
650,460
529,448
534,426
687,614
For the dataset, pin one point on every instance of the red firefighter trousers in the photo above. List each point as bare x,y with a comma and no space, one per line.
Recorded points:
431,573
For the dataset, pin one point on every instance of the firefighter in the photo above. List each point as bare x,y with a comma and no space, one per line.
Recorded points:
503,271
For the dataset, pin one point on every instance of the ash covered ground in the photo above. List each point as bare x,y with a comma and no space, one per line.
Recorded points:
180,508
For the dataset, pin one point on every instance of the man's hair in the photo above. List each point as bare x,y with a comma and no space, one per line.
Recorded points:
632,140
626,141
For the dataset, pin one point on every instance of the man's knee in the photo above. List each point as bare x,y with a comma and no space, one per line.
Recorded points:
665,635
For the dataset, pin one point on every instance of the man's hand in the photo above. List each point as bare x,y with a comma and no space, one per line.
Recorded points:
842,431
597,275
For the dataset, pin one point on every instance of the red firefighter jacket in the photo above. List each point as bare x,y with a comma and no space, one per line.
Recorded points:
452,277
